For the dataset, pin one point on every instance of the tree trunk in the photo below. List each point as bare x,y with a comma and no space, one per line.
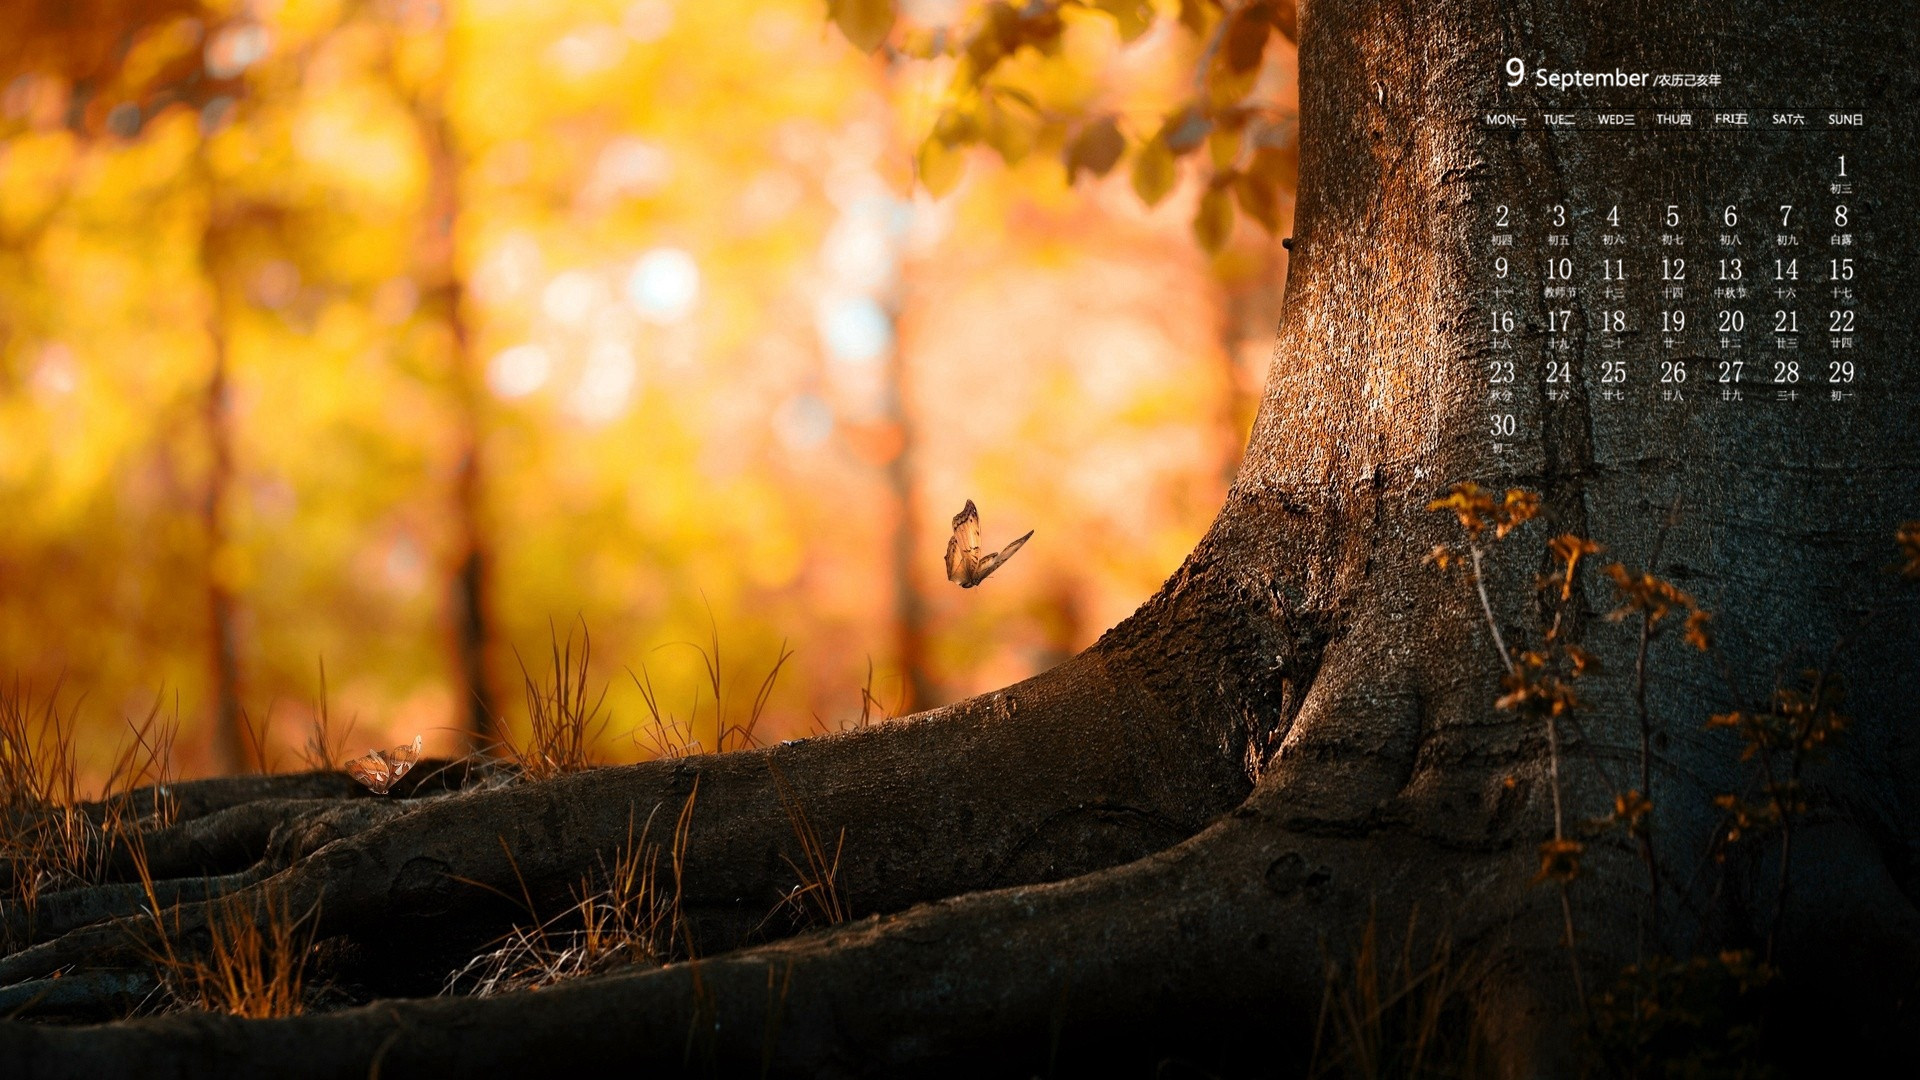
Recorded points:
231,743
1150,854
471,586
909,607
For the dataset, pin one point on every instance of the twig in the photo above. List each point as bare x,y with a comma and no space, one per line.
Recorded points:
1645,717
1486,605
1559,834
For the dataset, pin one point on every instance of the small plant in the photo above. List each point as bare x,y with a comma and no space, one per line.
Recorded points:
1693,1017
869,704
1655,601
252,966
1692,1011
667,735
816,897
620,917
324,747
562,724
1478,512
1537,683
1781,741
51,841
1393,1013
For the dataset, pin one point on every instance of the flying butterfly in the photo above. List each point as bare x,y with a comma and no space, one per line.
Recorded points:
965,564
381,769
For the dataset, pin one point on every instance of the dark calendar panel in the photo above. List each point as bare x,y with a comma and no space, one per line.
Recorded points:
1647,278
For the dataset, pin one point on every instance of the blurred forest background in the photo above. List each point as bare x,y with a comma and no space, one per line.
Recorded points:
401,336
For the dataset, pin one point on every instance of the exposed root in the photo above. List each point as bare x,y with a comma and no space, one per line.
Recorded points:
622,917
189,799
63,912
1208,941
928,807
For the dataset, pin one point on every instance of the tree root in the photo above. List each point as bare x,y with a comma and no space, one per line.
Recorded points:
973,795
189,799
200,858
240,836
96,993
63,912
1202,950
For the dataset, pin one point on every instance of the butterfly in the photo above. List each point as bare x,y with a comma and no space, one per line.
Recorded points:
381,769
965,564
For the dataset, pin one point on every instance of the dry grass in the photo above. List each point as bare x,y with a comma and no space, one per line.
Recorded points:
324,748
566,721
665,734
263,761
321,750
1390,1013
816,897
253,972
252,966
621,917
48,840
563,723
870,704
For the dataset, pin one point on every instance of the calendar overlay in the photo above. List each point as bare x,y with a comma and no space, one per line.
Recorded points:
1743,294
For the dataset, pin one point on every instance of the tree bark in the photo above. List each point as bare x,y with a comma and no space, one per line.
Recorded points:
1150,854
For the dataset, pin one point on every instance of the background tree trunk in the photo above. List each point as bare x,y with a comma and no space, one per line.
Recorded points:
232,750
470,591
917,690
1150,853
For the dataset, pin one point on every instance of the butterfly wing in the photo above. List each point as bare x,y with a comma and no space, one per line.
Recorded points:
966,527
999,558
963,548
400,759
372,771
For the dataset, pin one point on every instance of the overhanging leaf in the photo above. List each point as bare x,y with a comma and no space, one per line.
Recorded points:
1247,37
1097,148
1223,148
939,166
1278,166
1226,87
924,44
1011,132
955,128
1286,19
1256,197
1196,16
1185,130
1214,221
1153,172
1134,17
864,22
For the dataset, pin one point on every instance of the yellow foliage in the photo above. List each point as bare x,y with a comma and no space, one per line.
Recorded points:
413,238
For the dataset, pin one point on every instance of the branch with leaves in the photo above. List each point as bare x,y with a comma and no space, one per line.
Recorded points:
1250,157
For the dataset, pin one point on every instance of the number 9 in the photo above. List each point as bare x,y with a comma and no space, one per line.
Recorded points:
1516,71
